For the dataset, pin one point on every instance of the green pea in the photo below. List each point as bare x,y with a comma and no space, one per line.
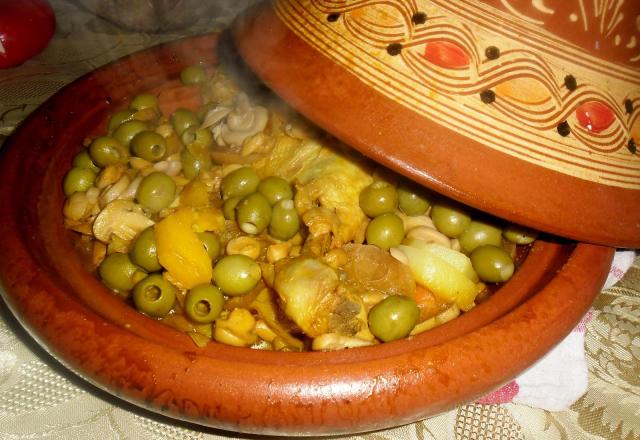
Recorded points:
143,101
236,274
492,264
83,160
229,207
149,145
285,222
240,182
450,218
193,75
118,272
393,318
78,180
211,244
106,150
275,188
412,201
378,198
385,231
127,131
519,234
253,213
479,233
156,191
203,303
144,251
119,118
154,296
181,119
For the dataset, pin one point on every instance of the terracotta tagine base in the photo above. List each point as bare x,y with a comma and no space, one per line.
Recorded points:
74,317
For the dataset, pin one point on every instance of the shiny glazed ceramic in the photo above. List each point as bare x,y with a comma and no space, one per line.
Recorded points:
526,109
65,307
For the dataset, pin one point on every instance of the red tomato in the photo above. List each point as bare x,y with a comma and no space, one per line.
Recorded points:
26,26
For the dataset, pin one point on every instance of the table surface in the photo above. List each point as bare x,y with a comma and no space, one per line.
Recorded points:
39,398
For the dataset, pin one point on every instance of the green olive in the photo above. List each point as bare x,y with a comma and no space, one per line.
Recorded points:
119,118
149,145
144,251
203,303
83,160
193,75
181,119
127,131
393,318
450,218
240,182
253,213
519,234
211,244
385,231
285,222
479,233
154,296
201,138
78,180
106,150
143,101
156,191
412,201
492,264
191,166
229,207
118,272
275,188
236,274
378,198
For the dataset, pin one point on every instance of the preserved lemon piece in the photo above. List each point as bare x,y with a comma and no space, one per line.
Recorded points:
181,252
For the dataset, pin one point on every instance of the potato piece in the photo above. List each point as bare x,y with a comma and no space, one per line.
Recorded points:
457,259
441,277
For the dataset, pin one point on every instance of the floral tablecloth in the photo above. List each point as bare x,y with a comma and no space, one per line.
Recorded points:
40,399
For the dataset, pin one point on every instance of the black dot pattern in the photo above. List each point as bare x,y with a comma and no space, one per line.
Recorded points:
394,49
419,18
492,52
564,129
570,82
333,17
488,96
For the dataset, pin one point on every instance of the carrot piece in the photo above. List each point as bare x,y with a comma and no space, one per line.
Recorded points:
181,96
428,303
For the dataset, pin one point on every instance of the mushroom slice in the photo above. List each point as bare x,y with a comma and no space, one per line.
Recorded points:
122,218
243,121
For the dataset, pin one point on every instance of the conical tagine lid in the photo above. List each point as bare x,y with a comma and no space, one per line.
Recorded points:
525,109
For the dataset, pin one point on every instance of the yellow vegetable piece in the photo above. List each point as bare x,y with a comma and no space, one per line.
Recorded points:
457,259
194,194
180,251
442,278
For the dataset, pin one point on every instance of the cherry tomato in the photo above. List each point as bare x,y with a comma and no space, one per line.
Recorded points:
26,26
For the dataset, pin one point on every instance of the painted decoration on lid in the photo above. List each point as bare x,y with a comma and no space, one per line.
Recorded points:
551,82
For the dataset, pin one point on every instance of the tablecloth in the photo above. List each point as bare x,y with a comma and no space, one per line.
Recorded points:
40,399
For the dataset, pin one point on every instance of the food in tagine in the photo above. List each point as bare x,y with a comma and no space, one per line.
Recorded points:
231,218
